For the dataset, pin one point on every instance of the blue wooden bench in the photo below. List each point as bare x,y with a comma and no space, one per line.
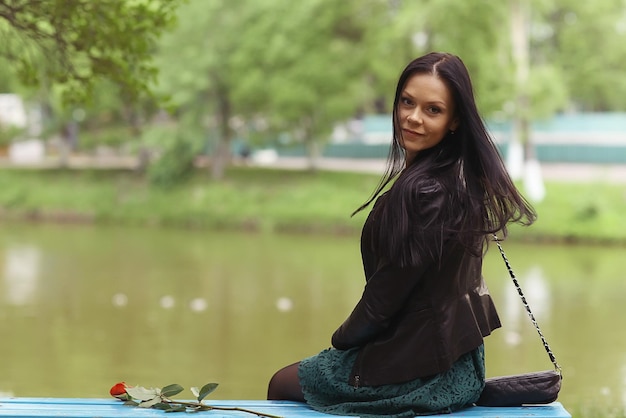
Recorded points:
111,408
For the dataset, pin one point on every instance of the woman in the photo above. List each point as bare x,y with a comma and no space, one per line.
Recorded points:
414,342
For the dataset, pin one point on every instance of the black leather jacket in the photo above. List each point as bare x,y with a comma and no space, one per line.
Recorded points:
415,321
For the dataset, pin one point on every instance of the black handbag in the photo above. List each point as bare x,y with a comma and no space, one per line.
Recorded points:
529,388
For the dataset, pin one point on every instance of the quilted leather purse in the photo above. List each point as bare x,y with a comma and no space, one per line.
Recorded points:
529,388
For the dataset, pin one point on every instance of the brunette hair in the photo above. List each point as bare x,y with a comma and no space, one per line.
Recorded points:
483,190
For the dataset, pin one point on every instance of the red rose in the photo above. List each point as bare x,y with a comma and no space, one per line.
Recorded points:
119,391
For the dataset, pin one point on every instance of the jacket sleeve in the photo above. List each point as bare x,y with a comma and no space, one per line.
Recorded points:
388,289
384,295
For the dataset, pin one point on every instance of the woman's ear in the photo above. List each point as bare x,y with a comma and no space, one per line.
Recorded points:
454,124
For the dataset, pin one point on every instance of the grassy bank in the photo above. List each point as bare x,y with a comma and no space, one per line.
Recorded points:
273,200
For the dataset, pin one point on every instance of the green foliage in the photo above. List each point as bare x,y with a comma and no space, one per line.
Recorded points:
477,31
587,212
8,133
586,43
73,43
306,82
274,65
548,92
111,136
8,81
175,164
276,200
270,61
262,69
171,390
205,391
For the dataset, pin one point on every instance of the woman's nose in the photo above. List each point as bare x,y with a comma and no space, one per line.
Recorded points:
415,116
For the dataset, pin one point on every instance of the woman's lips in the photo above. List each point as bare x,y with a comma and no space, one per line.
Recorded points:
411,133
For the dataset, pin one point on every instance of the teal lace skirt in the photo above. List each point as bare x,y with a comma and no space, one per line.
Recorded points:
324,381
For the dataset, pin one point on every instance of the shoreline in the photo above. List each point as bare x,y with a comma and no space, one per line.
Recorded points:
277,200
566,172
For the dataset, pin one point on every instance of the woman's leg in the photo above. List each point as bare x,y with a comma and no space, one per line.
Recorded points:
285,385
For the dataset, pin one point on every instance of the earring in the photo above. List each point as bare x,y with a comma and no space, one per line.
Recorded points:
451,132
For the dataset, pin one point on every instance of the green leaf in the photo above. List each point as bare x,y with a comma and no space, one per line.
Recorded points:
179,408
142,393
206,389
163,406
70,62
171,390
150,403
195,391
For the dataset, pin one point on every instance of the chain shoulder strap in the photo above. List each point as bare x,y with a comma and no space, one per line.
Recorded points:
530,313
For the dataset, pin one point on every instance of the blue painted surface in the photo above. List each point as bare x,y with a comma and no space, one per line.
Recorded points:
106,408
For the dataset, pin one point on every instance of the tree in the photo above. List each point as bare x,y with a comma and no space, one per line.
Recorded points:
477,31
73,43
313,72
587,42
293,67
197,70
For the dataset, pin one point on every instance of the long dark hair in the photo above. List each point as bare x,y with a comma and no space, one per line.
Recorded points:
484,196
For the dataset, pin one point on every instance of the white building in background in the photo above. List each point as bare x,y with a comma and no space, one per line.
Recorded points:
12,111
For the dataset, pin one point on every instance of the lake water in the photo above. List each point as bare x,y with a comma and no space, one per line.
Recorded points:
84,307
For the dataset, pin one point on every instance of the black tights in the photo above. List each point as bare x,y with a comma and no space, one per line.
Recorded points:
285,385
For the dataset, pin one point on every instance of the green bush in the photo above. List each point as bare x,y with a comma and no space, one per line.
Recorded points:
174,149
114,137
8,134
174,165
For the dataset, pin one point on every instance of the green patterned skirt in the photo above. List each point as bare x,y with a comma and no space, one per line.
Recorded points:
324,381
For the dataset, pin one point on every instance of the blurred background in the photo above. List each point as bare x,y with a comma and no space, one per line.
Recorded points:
177,178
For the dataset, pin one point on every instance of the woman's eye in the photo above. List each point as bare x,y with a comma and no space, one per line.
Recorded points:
406,101
434,109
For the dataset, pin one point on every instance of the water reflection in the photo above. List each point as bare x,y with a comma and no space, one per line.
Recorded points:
83,308
536,292
119,300
623,384
21,273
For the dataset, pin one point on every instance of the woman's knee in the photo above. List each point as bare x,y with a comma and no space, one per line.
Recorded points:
285,385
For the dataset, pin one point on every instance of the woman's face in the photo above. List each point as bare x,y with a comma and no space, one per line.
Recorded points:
426,112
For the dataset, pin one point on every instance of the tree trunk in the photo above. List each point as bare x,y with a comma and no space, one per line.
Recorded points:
220,159
143,159
221,154
520,51
533,181
311,145
69,138
313,153
64,153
